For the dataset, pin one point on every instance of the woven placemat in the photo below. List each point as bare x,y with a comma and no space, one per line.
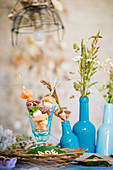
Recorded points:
63,159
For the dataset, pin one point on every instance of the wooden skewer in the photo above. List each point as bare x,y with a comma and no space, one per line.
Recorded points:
18,78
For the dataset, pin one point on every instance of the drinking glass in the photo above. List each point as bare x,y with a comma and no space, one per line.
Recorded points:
41,136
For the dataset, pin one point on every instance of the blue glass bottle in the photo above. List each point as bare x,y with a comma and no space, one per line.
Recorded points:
68,139
84,129
105,132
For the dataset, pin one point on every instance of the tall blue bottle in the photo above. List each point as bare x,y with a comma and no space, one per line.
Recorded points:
105,132
68,139
84,129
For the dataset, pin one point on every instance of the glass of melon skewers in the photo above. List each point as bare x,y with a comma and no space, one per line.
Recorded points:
40,116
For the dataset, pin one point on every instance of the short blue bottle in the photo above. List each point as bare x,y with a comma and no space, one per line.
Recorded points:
84,129
105,132
68,139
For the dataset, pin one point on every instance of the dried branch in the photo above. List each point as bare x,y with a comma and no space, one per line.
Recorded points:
61,112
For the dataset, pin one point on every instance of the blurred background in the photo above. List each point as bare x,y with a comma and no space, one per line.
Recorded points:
49,59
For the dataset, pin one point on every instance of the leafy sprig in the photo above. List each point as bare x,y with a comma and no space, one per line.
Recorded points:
88,64
22,141
107,89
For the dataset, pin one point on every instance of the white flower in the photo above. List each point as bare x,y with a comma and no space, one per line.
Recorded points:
107,60
77,58
4,147
14,140
108,72
89,60
96,61
8,133
111,64
6,139
9,144
10,139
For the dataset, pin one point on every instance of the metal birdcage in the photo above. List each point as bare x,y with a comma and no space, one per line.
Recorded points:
35,17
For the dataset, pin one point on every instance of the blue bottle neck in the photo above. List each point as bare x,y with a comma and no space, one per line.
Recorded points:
66,127
108,113
84,109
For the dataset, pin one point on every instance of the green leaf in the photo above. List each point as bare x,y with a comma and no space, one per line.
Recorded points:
93,73
34,109
94,68
92,84
24,136
98,162
94,156
95,163
104,95
100,67
100,90
80,82
75,46
88,93
108,86
72,72
77,86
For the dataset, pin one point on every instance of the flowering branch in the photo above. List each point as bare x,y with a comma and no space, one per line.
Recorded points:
88,64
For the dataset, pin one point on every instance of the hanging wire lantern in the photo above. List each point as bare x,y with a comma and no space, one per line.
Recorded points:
36,18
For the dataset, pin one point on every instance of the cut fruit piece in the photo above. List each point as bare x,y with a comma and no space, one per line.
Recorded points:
48,104
39,118
49,99
26,94
41,126
38,126
44,126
